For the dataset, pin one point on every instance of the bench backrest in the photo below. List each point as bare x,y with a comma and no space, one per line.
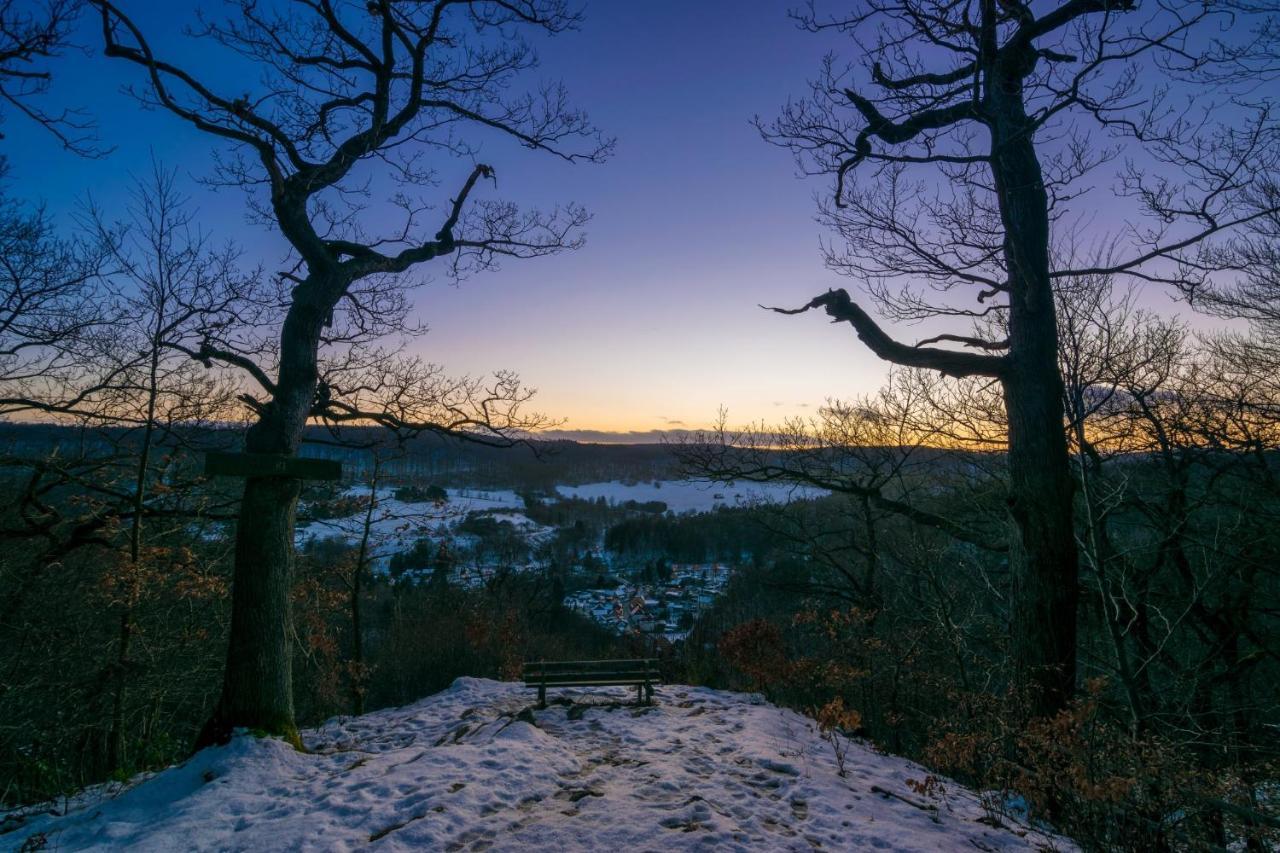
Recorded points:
628,671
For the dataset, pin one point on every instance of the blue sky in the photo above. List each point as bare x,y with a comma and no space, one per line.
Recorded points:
696,220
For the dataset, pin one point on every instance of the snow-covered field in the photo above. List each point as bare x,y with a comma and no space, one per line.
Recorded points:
682,496
476,767
396,525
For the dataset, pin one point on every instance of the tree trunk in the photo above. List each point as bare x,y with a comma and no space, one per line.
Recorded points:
115,739
115,748
357,644
357,589
1099,553
1042,555
257,689
1043,550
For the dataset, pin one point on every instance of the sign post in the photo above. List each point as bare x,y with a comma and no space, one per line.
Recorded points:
219,464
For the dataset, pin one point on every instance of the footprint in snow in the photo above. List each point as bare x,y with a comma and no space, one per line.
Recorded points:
779,767
573,795
760,780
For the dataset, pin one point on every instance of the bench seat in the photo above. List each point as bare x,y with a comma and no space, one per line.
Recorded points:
642,673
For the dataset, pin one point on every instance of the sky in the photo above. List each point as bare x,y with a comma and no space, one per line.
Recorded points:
655,323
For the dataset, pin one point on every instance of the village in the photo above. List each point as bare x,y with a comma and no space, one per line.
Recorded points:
665,609
488,535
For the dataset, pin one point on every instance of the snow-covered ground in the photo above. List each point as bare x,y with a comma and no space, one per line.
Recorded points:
683,496
477,767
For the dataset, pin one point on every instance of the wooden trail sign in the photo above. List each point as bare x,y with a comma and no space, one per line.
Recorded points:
219,464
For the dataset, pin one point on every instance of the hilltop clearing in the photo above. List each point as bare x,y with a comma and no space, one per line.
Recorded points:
477,767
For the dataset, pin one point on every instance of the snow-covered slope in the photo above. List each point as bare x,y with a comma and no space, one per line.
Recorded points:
477,767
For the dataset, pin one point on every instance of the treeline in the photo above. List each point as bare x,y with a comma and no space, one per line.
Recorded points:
540,466
421,458
729,534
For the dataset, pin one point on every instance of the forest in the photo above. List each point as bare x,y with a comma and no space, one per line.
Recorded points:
244,494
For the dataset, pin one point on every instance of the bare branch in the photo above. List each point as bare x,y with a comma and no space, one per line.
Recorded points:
841,308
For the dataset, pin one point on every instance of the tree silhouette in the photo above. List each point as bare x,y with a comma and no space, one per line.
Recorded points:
960,150
403,90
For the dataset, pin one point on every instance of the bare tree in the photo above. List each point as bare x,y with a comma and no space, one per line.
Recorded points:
1254,293
378,530
53,302
108,480
959,148
31,34
881,451
173,287
348,86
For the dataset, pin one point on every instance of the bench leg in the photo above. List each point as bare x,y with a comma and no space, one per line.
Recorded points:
542,695
639,693
648,693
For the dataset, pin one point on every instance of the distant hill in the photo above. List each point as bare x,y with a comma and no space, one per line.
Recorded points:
539,464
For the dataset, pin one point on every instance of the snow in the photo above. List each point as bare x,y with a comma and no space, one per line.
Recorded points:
683,496
391,512
397,524
478,767
481,499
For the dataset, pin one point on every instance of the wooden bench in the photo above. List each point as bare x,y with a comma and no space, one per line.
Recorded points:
640,672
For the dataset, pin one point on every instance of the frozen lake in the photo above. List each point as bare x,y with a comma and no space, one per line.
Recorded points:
682,496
